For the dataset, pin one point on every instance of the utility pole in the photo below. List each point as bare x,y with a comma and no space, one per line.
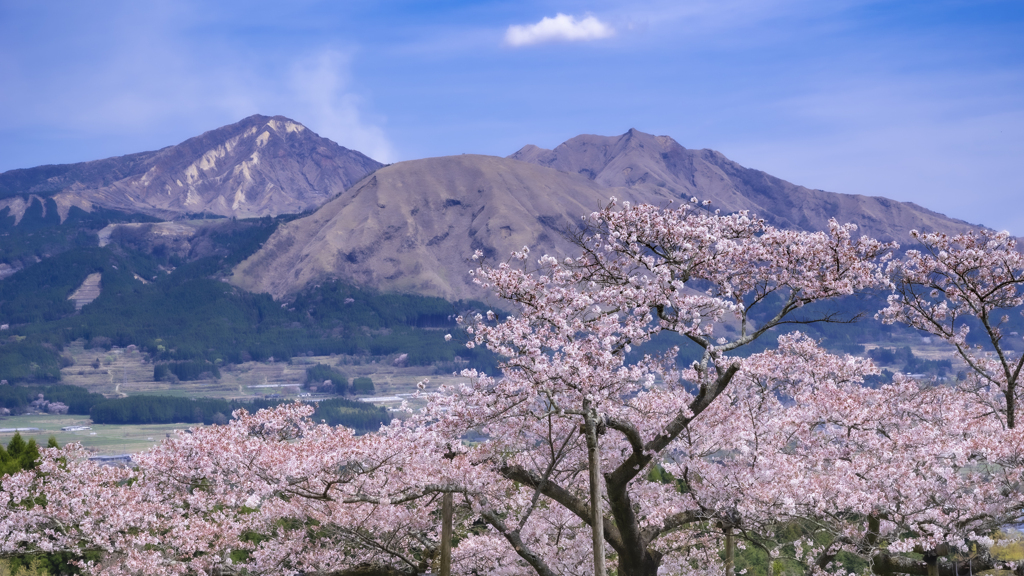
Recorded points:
590,423
446,534
730,552
447,512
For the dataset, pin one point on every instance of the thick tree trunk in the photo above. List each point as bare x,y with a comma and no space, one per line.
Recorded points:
647,566
1011,405
932,563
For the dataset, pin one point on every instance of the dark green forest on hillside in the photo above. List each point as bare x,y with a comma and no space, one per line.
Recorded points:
40,233
16,398
181,312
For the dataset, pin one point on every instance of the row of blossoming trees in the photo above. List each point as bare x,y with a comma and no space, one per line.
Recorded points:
694,460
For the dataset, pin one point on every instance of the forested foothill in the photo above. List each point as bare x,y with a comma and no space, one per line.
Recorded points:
169,299
40,234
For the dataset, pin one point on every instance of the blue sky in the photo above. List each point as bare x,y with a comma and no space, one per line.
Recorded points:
920,101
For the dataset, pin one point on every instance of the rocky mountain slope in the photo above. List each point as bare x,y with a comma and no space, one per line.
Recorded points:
413,226
261,166
657,168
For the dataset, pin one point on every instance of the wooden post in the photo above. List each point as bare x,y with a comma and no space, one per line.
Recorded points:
730,552
446,534
594,456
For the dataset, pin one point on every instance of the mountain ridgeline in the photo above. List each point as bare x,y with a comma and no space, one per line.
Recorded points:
262,239
656,169
413,226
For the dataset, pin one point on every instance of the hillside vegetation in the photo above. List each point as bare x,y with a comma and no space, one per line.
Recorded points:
178,310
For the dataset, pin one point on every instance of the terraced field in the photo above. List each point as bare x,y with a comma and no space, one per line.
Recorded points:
126,372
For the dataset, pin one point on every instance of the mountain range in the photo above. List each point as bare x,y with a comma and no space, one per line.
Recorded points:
412,226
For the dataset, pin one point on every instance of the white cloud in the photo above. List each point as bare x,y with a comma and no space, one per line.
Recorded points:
562,27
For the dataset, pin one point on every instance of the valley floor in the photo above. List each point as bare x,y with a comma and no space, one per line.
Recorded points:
127,372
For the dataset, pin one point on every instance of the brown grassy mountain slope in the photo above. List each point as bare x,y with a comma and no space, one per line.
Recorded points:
413,226
657,168
261,166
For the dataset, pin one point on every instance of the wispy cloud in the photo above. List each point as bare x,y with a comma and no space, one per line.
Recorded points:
561,28
324,101
142,81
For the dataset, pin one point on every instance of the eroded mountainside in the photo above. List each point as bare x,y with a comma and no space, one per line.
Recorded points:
413,226
260,166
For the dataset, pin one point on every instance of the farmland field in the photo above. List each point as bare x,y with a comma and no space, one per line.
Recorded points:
126,372
105,439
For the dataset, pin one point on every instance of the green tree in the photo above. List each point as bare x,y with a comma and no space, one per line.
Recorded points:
317,375
20,455
362,385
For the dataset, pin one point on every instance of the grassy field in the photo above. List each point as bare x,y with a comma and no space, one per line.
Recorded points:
104,439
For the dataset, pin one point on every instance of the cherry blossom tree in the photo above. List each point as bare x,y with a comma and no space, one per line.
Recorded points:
293,506
964,282
953,285
643,271
269,493
875,473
